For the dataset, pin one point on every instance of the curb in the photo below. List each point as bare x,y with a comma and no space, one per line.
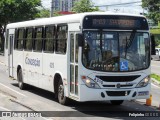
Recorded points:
2,61
154,81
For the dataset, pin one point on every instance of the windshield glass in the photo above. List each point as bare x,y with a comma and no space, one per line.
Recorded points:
116,51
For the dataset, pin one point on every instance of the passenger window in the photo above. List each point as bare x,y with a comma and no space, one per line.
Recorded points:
28,39
61,39
38,39
20,39
49,39
7,36
72,47
76,49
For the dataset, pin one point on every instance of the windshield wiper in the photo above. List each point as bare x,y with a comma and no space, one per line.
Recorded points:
131,38
126,48
101,43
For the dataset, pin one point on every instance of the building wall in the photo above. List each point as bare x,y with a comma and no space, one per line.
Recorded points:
63,5
56,5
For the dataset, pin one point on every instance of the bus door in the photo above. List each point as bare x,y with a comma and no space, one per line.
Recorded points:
73,64
10,51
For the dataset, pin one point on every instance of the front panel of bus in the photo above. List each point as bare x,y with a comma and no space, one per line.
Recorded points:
114,61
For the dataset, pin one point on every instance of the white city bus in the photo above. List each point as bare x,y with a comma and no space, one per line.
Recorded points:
86,57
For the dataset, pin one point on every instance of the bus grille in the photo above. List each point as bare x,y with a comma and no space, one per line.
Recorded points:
118,78
121,86
117,93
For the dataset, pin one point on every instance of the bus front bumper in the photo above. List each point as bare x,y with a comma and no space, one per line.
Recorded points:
91,94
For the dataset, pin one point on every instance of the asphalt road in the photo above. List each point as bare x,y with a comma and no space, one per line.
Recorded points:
155,66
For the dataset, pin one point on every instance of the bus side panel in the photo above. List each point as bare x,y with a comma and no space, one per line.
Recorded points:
33,66
6,57
52,64
17,60
47,72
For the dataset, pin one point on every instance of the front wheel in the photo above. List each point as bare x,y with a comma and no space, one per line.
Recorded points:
116,102
21,84
61,98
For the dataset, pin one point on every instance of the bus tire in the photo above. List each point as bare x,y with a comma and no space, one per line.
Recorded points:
21,84
61,98
116,102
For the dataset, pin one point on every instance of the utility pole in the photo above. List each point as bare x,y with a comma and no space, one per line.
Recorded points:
52,7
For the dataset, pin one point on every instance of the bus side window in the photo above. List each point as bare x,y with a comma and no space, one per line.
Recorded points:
7,36
19,39
38,39
16,39
61,39
28,39
49,39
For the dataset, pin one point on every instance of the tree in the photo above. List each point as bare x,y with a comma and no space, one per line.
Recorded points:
154,9
84,6
15,11
44,13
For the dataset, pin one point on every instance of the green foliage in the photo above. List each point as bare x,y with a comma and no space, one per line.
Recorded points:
157,42
156,33
44,13
16,11
56,13
155,76
84,6
154,9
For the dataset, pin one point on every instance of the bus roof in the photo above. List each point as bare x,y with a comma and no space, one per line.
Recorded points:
73,18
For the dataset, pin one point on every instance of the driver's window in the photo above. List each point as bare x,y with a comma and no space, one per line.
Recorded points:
110,43
92,46
142,43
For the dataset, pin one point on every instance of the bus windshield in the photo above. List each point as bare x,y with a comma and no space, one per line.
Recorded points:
116,51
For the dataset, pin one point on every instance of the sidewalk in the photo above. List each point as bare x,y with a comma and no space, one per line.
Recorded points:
2,59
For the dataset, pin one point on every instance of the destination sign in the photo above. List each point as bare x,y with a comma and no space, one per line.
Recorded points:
115,22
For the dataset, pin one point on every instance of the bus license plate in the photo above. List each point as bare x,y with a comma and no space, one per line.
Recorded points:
143,93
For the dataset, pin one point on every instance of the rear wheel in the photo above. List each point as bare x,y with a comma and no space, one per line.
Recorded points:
21,84
61,98
116,102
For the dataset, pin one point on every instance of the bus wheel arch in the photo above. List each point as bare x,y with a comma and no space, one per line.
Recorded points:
55,83
21,83
59,89
18,68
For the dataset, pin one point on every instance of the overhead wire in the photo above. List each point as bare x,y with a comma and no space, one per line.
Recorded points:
118,4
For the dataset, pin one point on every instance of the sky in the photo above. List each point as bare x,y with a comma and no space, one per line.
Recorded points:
129,8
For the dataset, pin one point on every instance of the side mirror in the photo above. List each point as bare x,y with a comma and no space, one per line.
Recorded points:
80,38
153,44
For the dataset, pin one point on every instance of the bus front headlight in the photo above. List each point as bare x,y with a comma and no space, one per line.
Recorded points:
89,82
144,82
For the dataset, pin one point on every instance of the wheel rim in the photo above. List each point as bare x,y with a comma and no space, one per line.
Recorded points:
20,80
61,92
20,84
